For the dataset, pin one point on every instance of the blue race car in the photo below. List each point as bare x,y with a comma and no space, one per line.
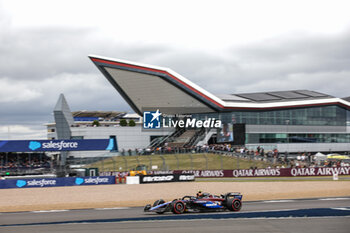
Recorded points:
203,202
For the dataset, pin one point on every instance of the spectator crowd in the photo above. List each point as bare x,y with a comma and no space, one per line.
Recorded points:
15,161
276,158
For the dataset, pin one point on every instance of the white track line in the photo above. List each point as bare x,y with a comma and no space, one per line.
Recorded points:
48,211
276,201
227,219
113,208
344,208
334,199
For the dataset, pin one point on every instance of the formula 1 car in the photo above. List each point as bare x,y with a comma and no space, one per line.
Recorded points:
196,204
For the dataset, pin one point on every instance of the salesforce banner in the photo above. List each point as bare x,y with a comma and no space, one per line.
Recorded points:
56,145
56,182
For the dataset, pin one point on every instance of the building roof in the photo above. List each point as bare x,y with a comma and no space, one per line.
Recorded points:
146,86
102,114
276,96
131,116
347,99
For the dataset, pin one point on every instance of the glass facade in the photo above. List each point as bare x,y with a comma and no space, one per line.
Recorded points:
309,116
327,115
322,116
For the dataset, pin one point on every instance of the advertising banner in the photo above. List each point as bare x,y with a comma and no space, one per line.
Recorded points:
56,182
268,172
166,178
56,145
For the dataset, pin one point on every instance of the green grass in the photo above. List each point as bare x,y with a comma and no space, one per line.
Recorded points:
178,162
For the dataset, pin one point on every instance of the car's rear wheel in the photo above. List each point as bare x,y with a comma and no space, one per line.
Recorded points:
158,202
234,204
178,207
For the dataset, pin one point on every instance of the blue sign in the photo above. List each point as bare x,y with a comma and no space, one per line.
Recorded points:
33,145
55,182
152,120
57,145
79,181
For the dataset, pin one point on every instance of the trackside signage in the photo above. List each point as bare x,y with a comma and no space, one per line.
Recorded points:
56,182
268,172
166,178
56,145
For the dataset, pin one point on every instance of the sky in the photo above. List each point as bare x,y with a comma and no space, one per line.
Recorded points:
223,46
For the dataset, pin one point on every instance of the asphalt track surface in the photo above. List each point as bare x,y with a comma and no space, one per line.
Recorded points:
300,215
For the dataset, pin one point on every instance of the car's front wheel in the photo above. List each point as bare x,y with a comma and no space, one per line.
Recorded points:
158,202
147,207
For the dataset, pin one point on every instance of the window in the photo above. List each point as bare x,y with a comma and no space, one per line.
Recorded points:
322,116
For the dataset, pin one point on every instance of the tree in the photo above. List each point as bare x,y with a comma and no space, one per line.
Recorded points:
132,123
96,122
123,122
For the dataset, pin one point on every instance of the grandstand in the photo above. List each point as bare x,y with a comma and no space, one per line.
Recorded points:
33,163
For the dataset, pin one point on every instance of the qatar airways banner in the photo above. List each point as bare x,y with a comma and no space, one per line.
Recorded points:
268,172
56,145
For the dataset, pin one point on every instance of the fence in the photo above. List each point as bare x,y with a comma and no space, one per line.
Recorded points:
187,161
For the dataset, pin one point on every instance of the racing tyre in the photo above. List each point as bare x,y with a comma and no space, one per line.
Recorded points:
234,204
147,207
158,202
178,207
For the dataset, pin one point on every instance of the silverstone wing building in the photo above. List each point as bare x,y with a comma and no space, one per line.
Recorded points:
294,121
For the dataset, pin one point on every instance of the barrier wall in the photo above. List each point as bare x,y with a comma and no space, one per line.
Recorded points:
268,172
166,178
264,172
56,182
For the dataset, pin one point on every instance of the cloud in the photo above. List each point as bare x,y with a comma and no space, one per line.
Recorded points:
39,53
314,62
14,91
37,63
21,132
319,81
76,87
306,56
